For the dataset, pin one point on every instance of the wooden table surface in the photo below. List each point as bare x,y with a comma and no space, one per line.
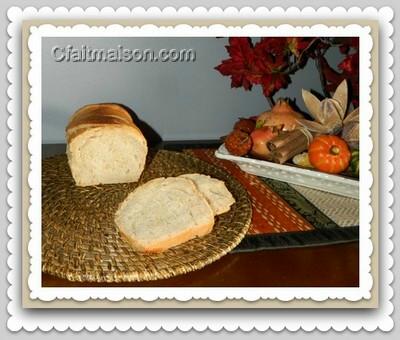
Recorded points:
320,266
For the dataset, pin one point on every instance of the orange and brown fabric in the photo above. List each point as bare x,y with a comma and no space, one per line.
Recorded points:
283,216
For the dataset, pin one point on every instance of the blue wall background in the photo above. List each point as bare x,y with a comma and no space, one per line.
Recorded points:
179,100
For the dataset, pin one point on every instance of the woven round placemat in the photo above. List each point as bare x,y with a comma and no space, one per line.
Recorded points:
80,241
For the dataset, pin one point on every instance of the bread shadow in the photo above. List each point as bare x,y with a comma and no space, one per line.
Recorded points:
152,136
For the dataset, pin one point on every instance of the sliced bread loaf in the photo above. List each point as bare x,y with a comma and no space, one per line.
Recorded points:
104,146
214,190
163,213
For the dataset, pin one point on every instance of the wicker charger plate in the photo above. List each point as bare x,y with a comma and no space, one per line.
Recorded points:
80,241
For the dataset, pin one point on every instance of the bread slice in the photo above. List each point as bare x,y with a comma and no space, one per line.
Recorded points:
104,146
214,190
163,213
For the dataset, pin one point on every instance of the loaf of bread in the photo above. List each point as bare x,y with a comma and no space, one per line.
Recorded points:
214,190
104,146
163,213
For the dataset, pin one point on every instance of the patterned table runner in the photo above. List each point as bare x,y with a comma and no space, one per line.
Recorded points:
290,215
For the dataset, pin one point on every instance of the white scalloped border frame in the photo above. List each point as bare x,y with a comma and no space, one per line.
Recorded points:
185,294
17,319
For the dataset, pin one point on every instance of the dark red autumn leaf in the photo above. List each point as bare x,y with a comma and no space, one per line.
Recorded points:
274,45
350,63
239,65
348,43
249,66
273,82
344,49
297,45
318,48
271,54
271,63
350,67
333,78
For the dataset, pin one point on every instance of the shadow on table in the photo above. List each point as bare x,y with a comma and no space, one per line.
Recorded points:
152,136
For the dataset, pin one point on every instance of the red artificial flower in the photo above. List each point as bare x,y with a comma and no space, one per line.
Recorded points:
272,60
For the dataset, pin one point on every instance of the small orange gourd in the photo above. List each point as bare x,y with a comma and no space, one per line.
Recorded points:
329,154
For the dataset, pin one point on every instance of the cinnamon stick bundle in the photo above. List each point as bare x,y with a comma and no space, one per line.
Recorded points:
287,145
284,138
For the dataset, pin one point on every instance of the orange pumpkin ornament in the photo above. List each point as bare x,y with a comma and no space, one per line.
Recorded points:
329,154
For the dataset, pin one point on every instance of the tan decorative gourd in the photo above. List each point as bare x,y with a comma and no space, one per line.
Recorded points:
282,116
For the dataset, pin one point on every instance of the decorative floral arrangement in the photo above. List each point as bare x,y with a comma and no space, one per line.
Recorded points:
327,142
270,62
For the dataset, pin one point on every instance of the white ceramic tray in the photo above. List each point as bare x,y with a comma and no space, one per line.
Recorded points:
335,184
